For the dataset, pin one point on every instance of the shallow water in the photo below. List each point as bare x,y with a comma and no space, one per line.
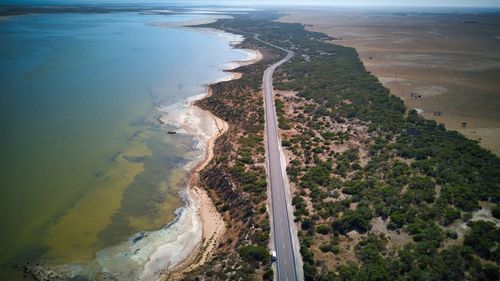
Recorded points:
84,162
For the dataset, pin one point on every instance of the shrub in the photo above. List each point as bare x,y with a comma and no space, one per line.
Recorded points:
369,249
484,238
495,211
254,253
322,229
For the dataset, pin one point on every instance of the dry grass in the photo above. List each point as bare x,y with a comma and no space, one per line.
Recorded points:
451,61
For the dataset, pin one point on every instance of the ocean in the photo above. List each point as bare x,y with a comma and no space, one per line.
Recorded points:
85,164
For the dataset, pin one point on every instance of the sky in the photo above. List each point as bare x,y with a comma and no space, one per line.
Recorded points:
440,3
427,3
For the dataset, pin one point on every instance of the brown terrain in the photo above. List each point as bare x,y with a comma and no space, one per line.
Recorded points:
445,65
304,131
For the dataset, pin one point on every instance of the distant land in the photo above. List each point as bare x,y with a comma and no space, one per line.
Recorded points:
444,64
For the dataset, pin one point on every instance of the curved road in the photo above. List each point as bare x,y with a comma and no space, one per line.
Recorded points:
286,263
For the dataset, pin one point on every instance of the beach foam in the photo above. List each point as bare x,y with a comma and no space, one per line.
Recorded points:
199,123
191,120
147,254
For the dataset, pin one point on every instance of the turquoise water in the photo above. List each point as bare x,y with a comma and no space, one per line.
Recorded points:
84,162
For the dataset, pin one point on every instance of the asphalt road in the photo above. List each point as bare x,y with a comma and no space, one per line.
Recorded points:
286,263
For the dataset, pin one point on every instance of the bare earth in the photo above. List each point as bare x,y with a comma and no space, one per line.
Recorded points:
447,66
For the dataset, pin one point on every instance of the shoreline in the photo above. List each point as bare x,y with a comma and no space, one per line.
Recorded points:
189,240
206,19
212,224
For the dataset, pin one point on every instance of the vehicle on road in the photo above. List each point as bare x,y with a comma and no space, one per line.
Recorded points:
273,256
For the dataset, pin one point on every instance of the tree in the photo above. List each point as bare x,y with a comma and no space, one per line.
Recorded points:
484,238
495,211
254,253
370,248
450,215
358,220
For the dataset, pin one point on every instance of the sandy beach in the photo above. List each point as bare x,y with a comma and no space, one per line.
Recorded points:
206,127
206,19
254,56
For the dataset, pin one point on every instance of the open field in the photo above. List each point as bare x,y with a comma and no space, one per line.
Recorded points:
446,65
380,192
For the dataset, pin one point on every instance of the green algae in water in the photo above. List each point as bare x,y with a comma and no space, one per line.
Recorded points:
84,163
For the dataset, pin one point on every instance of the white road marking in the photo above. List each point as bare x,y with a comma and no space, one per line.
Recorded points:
277,190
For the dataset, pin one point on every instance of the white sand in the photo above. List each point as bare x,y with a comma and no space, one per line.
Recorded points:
150,255
146,254
194,121
213,225
205,20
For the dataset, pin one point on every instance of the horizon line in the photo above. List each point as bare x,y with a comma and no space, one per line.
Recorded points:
232,4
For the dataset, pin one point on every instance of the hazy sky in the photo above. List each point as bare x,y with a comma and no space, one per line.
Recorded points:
442,3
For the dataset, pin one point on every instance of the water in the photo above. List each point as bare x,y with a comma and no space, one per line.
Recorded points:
84,162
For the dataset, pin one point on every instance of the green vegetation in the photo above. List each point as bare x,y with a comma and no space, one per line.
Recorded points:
359,157
495,211
254,253
381,192
280,111
484,239
236,178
